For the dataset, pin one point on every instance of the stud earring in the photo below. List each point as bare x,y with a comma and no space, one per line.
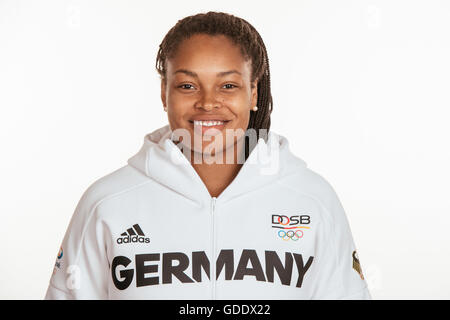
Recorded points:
165,108
255,108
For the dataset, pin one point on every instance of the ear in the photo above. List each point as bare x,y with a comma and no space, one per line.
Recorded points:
254,93
163,93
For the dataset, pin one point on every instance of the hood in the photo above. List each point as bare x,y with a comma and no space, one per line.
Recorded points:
162,160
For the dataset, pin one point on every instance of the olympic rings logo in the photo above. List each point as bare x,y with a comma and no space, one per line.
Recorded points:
290,226
291,234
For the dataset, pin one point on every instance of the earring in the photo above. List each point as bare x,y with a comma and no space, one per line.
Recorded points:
255,108
165,108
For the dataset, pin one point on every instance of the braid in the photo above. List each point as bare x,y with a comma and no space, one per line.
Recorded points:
241,33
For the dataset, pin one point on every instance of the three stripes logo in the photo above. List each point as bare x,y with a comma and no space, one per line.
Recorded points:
133,235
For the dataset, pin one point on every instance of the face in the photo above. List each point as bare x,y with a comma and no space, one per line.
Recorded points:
208,92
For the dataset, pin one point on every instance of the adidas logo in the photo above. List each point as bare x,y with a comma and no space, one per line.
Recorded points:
133,235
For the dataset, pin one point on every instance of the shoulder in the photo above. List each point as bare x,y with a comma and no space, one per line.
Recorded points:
121,181
311,184
298,176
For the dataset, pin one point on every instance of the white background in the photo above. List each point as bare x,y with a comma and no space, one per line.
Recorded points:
360,88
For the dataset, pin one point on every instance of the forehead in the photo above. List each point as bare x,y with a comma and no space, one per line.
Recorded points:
208,54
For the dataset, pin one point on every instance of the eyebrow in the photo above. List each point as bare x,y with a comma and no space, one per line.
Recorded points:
219,74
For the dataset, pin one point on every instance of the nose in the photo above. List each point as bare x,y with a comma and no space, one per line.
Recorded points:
208,101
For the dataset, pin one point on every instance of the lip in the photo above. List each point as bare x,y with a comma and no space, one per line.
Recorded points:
209,118
205,130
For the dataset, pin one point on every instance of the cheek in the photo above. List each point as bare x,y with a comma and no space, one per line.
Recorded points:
175,115
242,117
176,100
179,105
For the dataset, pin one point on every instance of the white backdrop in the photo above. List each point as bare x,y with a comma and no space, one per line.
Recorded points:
360,90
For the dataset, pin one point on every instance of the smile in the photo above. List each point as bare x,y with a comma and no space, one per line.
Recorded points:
208,123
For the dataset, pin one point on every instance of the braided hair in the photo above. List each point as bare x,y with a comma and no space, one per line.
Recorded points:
242,34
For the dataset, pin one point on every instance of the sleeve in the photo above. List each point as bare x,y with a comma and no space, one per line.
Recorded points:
81,268
339,273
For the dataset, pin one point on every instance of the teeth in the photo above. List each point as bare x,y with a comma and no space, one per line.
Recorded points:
207,123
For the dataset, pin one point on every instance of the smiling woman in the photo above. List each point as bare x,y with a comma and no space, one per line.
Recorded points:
227,48
207,89
196,92
214,205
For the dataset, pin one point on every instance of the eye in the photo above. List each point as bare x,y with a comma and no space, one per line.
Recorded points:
183,86
229,84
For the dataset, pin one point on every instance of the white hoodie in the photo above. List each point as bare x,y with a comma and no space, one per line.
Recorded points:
151,230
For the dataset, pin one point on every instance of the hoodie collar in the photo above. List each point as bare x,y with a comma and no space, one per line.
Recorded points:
162,160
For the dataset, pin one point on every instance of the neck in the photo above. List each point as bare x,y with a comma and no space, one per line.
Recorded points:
214,170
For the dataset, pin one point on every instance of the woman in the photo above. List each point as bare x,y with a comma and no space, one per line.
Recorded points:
214,205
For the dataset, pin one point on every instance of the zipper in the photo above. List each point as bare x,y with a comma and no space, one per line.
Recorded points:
213,253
